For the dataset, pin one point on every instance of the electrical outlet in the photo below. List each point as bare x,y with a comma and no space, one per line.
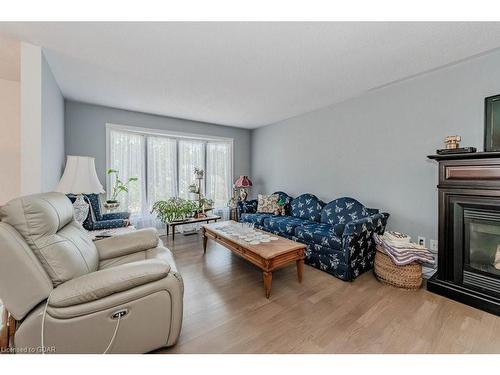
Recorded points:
421,241
434,245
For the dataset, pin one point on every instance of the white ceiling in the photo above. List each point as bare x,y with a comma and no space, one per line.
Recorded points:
243,74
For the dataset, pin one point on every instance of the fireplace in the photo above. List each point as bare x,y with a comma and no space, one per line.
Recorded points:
481,263
469,230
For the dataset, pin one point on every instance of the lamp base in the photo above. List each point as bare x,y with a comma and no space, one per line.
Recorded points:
80,209
243,195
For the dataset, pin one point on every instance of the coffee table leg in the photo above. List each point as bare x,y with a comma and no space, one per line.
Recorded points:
300,269
268,279
205,239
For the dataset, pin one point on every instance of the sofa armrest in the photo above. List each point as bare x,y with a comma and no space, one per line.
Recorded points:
116,215
357,227
380,222
247,207
375,222
128,243
358,243
103,283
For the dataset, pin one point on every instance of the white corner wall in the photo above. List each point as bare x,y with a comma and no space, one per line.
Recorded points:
31,119
10,136
53,156
42,123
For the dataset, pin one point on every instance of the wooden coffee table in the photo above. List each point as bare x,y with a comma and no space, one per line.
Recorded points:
268,256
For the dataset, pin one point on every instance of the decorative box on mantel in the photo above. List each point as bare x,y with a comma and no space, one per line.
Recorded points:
469,229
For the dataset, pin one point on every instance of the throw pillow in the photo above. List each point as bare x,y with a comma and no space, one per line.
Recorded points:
280,211
267,203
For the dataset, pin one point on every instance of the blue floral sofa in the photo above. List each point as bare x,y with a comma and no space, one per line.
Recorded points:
337,235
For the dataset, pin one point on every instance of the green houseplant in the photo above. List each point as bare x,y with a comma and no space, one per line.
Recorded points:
173,209
119,186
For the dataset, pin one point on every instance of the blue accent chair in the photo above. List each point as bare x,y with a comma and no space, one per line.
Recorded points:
97,220
338,235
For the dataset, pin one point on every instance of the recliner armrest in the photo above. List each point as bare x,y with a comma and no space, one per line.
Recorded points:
128,243
100,284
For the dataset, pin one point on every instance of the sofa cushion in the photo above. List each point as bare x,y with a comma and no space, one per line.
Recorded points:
342,211
321,234
286,199
257,219
267,203
307,206
284,224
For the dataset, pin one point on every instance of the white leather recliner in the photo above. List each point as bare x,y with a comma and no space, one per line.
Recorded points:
122,294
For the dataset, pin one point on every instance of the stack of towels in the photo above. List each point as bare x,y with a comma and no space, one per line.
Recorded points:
401,250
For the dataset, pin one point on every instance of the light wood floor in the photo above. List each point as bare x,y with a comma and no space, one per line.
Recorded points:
225,311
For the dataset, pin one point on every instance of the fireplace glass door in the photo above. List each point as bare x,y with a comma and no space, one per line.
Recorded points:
482,249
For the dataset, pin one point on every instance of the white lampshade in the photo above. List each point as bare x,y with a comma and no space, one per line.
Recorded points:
79,177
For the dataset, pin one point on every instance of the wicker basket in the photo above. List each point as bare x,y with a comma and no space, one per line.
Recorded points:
406,277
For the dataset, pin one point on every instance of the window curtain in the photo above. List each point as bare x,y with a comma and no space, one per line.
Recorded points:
218,173
162,163
191,156
126,155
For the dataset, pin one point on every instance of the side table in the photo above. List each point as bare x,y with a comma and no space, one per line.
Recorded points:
192,220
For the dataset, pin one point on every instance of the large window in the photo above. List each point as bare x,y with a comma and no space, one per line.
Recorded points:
126,154
165,166
191,156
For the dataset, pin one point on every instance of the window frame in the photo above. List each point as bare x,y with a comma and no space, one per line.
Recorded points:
151,132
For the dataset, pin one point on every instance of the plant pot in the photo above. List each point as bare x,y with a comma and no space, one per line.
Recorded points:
110,204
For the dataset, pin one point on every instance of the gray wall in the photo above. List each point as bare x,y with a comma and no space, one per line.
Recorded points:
86,132
52,129
374,147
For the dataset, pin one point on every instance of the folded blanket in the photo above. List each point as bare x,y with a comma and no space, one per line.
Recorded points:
403,253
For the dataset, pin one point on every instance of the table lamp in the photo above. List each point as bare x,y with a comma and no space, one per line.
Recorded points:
80,178
242,183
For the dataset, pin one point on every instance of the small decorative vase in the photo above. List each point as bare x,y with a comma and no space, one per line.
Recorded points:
80,209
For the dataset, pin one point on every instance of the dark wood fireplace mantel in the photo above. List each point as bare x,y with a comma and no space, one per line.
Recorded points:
469,229
471,155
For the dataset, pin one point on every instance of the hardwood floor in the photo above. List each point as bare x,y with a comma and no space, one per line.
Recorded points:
225,311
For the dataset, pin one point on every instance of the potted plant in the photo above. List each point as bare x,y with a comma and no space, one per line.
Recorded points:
199,173
118,187
173,209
